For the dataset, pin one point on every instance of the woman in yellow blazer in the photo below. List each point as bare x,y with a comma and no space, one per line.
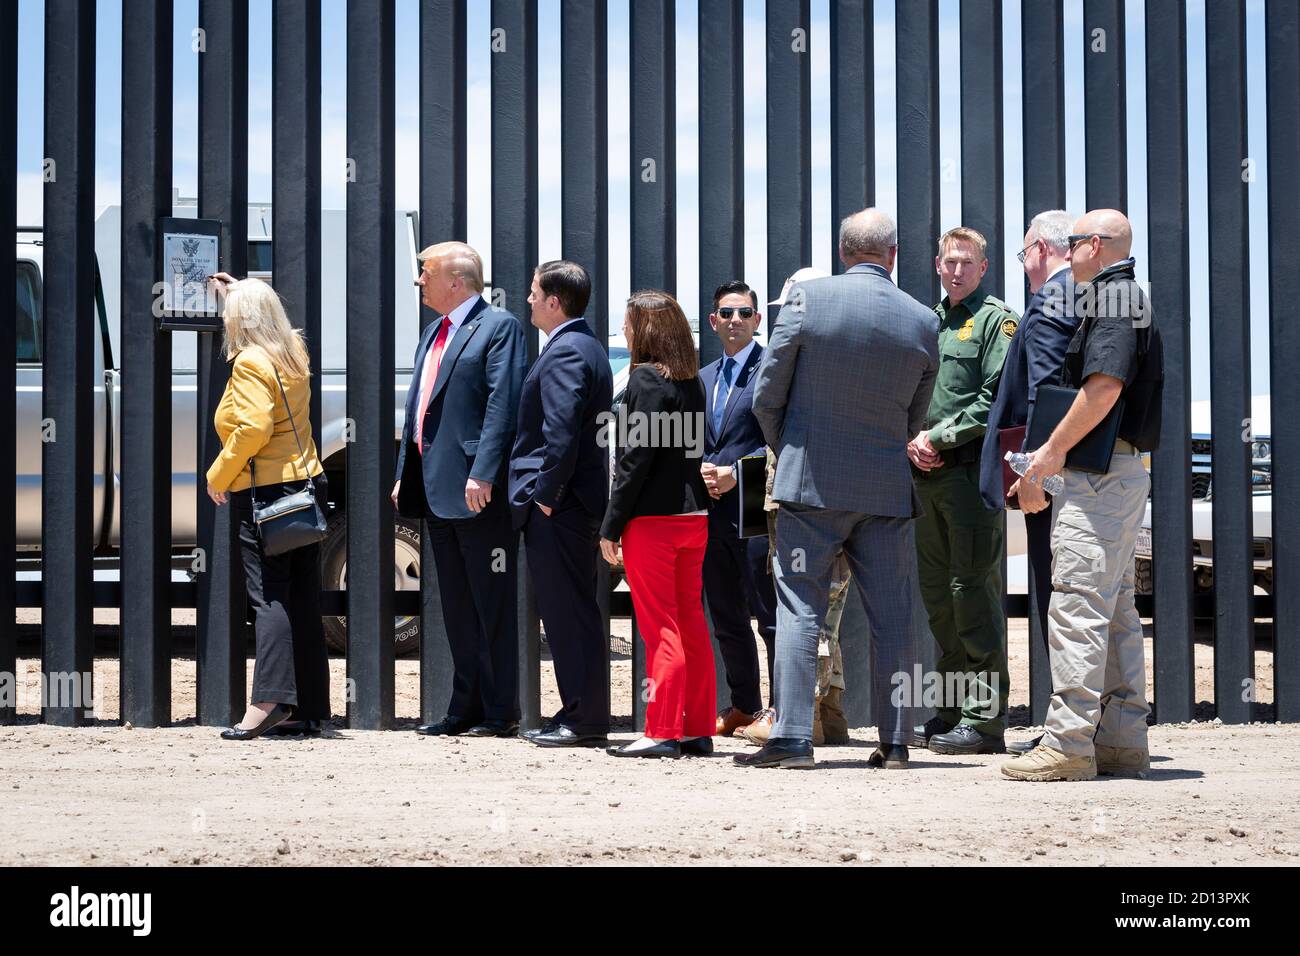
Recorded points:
291,675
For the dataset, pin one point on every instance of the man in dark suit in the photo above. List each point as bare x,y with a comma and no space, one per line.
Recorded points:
460,423
736,582
559,483
1035,356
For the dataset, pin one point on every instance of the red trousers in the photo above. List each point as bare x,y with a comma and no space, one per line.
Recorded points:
664,559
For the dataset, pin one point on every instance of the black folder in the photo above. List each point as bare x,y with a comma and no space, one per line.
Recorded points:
1092,453
751,478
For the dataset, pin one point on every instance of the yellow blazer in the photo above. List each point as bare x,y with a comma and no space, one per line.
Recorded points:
253,423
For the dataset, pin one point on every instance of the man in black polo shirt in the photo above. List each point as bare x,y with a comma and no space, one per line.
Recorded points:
1096,722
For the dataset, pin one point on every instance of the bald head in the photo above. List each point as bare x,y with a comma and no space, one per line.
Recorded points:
1110,240
868,236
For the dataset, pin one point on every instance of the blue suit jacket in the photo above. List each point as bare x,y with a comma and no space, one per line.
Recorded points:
740,434
557,452
469,423
1035,356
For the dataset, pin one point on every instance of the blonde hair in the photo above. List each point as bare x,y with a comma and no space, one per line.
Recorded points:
458,259
253,315
964,234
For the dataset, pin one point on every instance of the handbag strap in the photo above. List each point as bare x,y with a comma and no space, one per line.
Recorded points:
252,471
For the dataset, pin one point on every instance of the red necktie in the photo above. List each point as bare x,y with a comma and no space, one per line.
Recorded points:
430,375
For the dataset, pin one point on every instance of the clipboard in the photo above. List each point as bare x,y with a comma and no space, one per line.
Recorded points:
751,479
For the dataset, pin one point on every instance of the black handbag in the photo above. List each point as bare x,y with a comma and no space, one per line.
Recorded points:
294,520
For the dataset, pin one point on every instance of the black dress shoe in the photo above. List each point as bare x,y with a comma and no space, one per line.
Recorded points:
965,739
548,725
889,756
932,727
788,752
295,728
699,747
1024,746
494,728
561,736
447,727
278,713
672,749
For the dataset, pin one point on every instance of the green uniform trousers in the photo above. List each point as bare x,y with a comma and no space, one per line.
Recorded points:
959,563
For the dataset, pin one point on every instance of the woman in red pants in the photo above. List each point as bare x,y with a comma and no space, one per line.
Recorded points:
657,508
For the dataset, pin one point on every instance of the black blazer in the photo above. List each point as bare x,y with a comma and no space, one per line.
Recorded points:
558,453
741,434
658,478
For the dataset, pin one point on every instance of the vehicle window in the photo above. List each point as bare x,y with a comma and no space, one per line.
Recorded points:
28,314
259,255
619,358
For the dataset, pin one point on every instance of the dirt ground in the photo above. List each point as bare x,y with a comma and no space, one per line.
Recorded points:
104,794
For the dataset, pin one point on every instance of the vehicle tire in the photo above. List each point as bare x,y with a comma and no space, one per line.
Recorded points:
1144,583
406,571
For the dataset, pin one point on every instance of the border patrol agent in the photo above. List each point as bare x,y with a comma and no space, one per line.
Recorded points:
959,539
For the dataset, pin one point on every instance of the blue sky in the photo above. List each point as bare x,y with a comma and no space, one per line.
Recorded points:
108,132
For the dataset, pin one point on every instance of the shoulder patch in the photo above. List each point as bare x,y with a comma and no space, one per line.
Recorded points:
1009,327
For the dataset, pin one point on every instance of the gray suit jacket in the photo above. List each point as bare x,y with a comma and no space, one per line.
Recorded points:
844,385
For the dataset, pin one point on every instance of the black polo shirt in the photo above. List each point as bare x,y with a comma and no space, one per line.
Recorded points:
1118,337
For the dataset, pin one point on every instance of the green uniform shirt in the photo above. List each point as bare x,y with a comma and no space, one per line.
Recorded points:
973,338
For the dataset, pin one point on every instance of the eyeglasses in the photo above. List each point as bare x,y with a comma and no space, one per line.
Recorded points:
1079,237
727,312
1025,251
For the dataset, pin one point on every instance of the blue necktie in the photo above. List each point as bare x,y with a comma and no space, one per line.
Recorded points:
720,396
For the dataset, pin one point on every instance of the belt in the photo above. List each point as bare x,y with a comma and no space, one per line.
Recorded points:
1126,448
967,454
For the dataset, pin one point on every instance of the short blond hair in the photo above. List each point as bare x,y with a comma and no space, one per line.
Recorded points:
459,259
964,234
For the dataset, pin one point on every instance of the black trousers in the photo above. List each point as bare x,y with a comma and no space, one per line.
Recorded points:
738,587
292,665
562,553
477,561
1038,545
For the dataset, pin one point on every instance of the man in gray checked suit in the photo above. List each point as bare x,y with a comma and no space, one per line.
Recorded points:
844,383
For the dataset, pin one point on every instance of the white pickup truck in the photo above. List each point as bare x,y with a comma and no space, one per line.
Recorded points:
1203,503
332,382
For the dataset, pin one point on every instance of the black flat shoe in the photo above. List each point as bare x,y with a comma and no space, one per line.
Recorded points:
494,728
671,749
547,727
965,739
447,727
699,747
278,714
889,757
296,728
561,736
788,752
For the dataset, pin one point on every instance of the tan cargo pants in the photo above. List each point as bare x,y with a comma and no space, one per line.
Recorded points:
1094,633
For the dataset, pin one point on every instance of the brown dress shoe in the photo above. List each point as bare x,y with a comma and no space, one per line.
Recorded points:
760,730
731,720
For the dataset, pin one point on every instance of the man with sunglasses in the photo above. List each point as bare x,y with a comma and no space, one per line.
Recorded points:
1096,721
736,583
958,538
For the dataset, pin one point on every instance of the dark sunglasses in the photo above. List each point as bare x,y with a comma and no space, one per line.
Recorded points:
1079,237
727,312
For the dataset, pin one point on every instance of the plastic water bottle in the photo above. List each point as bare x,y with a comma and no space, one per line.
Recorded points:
1019,462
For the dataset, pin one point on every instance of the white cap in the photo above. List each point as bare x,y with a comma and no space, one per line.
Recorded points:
803,275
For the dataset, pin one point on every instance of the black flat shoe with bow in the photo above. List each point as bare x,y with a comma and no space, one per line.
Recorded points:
278,714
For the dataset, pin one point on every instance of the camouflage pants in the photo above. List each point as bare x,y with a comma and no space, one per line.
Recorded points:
830,666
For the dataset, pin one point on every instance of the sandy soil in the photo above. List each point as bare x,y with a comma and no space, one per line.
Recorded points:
105,794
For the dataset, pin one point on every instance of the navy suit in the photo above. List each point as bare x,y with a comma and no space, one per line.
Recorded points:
736,582
1035,356
558,461
469,425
